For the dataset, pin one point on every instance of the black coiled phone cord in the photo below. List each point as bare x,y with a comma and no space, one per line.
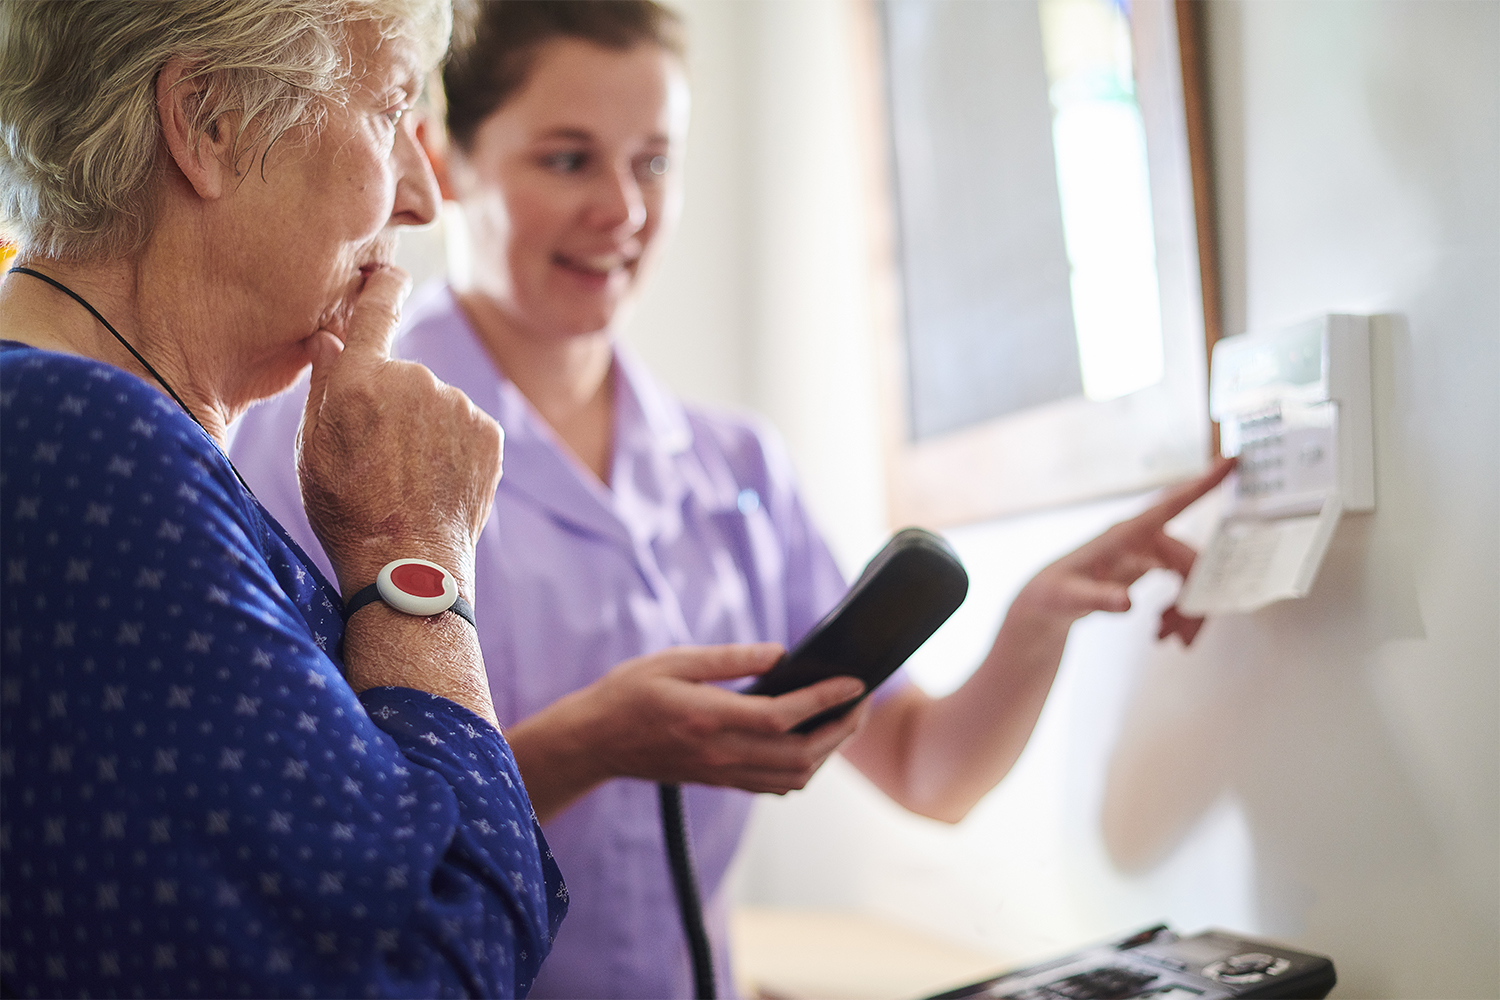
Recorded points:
685,882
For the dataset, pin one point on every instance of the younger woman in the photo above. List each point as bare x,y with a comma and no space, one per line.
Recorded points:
634,539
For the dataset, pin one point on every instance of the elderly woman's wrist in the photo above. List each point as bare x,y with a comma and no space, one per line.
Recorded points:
361,568
438,654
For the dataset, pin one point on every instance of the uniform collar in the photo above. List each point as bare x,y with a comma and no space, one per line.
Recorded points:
653,467
653,417
651,421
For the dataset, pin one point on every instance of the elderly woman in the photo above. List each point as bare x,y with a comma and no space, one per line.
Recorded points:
214,784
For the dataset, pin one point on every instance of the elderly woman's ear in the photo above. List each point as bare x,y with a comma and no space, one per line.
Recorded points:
203,153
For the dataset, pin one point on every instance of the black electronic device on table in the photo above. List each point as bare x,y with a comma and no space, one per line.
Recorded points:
909,589
1159,965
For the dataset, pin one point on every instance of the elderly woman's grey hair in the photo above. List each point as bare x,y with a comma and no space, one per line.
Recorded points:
80,140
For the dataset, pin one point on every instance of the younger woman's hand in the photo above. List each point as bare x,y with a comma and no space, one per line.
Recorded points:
1098,575
659,717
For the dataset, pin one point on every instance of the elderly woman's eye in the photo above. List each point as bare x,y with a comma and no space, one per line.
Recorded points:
394,115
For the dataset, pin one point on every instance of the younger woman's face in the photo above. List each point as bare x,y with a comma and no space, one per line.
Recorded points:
570,183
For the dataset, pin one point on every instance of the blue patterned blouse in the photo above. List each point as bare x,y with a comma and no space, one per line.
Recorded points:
192,800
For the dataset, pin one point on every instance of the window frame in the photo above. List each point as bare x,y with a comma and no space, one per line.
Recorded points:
1071,450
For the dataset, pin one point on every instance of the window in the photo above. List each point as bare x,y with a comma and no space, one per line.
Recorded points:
1050,311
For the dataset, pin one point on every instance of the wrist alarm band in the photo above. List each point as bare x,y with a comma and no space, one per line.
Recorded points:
413,587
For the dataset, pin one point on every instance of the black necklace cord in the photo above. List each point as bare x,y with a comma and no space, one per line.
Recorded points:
19,269
685,882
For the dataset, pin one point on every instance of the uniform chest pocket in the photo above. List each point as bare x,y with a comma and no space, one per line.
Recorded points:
750,541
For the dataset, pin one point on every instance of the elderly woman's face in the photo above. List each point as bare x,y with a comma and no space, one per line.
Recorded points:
570,184
325,209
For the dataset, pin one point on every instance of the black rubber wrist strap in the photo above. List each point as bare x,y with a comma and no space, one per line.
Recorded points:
685,881
371,594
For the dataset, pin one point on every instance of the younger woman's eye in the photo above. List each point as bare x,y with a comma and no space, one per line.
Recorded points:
654,167
566,162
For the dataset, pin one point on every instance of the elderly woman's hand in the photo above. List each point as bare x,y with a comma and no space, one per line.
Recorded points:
393,463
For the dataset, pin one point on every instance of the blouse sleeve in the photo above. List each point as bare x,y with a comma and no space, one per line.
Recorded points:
194,801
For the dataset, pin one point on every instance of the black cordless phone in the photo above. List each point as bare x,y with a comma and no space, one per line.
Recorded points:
907,591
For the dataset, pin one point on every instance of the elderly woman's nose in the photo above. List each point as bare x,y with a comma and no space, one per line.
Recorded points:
618,204
417,197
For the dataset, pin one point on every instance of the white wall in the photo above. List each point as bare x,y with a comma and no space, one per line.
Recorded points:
694,323
1360,161
1323,771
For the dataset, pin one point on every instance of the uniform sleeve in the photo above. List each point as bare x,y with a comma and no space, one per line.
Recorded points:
194,801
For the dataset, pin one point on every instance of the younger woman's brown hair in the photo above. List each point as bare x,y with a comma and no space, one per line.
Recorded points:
495,43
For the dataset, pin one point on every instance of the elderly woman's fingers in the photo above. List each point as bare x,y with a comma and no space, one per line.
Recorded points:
377,314
393,462
367,337
325,349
